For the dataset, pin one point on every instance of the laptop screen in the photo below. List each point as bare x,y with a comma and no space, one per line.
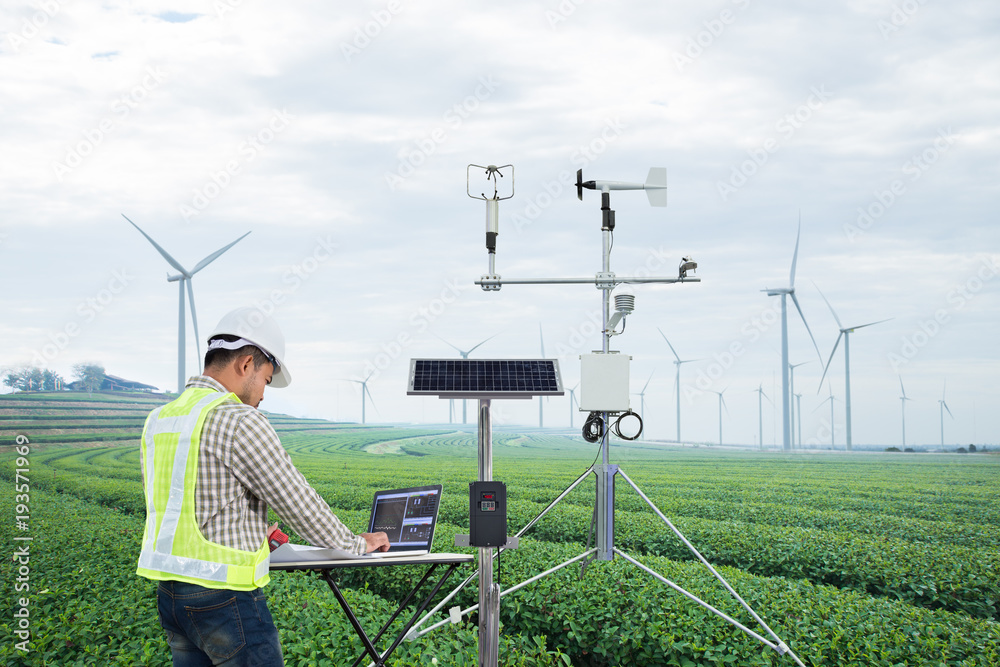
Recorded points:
407,516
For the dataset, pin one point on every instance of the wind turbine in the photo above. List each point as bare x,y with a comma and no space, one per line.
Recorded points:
784,292
760,412
943,406
722,403
796,413
365,390
465,355
845,333
677,380
831,399
183,278
642,398
902,400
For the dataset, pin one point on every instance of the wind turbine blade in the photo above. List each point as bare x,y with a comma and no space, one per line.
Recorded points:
647,384
839,325
370,397
211,258
541,340
828,361
166,255
487,340
862,326
676,356
460,351
901,386
802,315
946,408
194,319
795,255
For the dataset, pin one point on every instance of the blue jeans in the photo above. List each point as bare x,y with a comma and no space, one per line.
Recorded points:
210,626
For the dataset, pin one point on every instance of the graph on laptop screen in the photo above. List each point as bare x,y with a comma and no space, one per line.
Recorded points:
407,516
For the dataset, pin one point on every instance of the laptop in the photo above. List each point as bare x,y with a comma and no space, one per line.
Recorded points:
408,517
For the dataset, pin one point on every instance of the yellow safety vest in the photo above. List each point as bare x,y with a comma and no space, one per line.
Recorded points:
173,547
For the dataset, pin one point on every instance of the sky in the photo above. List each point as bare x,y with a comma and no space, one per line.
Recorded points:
340,136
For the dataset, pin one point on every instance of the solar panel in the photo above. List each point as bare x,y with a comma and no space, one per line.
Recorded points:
485,378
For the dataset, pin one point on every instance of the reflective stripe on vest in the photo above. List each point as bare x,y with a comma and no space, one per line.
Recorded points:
173,546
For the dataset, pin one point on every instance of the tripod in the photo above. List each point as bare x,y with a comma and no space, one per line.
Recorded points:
604,472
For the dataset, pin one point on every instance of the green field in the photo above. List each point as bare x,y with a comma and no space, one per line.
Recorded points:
864,559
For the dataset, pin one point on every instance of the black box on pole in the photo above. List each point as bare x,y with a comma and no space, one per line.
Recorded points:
487,514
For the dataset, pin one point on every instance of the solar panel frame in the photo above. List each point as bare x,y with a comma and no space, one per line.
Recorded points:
484,378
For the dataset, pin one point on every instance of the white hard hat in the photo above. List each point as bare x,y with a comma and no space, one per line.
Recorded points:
257,328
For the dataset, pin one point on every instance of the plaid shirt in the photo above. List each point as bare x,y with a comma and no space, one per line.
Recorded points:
242,468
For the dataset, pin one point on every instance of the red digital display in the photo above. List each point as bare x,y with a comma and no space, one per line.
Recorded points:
488,496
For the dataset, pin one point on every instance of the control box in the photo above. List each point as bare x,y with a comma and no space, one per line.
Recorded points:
487,514
604,382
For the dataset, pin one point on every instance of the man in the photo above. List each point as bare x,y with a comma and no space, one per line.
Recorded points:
212,465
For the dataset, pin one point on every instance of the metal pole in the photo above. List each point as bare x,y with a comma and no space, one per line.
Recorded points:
489,593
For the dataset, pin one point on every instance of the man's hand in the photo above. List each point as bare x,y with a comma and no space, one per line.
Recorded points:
376,542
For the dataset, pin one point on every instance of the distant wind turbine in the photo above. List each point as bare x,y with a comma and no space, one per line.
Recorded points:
364,390
831,399
902,400
677,380
845,333
722,403
943,406
760,412
183,278
796,413
465,355
784,292
642,398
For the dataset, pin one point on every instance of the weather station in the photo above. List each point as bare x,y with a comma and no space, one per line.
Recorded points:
604,396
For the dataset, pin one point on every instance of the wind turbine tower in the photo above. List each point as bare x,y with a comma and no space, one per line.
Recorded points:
760,413
572,400
902,401
364,390
184,279
796,413
722,403
845,333
642,400
784,292
943,406
677,381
